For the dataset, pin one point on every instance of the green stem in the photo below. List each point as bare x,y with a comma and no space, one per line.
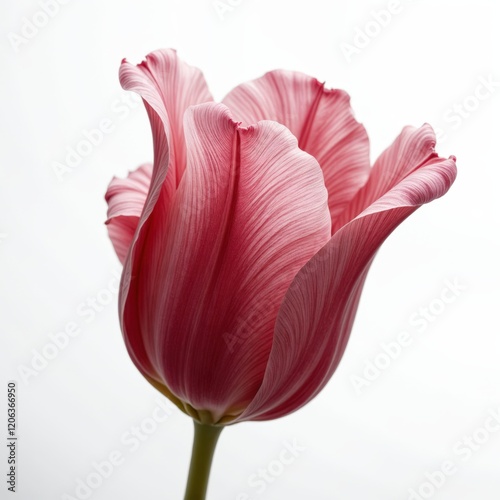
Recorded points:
205,440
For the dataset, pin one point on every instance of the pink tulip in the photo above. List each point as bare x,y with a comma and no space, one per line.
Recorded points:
247,242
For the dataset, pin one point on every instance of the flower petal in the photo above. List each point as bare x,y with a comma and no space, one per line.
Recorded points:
125,198
250,211
410,150
168,87
317,314
322,121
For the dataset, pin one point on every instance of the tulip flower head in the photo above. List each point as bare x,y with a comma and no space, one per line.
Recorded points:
247,241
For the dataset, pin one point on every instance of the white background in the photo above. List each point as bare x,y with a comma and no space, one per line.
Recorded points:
374,444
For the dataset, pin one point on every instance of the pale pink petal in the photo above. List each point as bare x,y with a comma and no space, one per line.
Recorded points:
322,121
168,86
410,150
125,198
316,317
250,211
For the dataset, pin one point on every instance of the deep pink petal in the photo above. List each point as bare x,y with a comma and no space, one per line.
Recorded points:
168,86
316,317
322,121
250,211
125,198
